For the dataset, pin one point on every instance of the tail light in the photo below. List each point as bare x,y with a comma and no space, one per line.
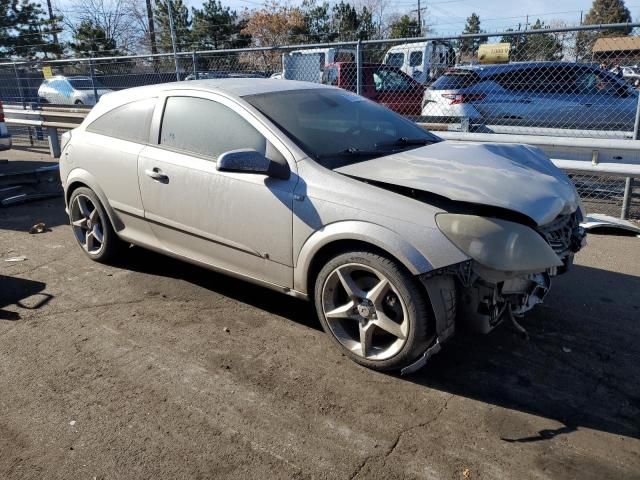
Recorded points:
458,98
1,112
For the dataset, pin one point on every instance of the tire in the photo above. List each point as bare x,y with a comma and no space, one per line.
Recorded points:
92,228
364,314
79,102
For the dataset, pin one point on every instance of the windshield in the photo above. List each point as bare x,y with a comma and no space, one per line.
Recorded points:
84,83
339,128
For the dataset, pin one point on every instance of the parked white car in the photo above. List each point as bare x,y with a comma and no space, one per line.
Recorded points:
71,90
423,61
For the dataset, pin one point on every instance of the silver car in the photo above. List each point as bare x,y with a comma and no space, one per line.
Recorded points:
533,94
71,90
397,236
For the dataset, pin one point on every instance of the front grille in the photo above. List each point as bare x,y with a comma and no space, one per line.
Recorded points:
560,233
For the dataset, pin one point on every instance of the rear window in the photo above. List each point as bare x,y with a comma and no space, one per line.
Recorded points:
455,80
128,122
415,59
395,59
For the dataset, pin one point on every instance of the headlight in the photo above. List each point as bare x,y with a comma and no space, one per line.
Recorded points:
498,244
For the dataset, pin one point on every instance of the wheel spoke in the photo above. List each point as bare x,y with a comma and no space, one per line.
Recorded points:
94,216
388,325
97,233
83,207
81,223
343,311
366,338
377,293
349,284
88,244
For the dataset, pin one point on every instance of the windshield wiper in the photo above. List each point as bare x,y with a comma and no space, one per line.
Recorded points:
405,141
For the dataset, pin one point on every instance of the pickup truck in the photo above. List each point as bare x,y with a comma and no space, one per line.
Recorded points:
381,83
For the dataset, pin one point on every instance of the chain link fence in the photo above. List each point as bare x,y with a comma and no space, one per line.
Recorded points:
577,82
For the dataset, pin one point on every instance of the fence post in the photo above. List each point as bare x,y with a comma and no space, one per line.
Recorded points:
194,59
54,142
359,67
22,99
626,199
93,80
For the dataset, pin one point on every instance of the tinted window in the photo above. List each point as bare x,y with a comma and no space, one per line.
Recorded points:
330,76
455,80
395,59
127,122
85,83
415,59
337,127
206,128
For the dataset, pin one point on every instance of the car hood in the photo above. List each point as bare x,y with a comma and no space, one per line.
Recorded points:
520,178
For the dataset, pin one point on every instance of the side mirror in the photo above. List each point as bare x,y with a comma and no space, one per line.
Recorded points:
251,161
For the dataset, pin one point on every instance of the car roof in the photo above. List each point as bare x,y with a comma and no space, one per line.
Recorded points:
491,69
235,87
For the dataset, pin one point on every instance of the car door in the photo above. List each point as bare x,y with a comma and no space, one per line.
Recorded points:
397,91
237,222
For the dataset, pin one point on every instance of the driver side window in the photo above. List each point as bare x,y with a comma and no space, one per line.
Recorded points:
206,128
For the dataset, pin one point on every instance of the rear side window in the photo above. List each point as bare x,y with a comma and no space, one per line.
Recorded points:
455,80
127,122
395,59
206,128
415,59
330,76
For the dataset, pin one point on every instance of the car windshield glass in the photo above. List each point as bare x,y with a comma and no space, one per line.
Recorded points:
455,79
338,128
85,83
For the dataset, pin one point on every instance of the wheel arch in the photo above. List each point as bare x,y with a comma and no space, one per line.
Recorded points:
352,235
81,178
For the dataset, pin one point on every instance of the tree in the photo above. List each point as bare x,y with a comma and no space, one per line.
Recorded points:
274,24
317,22
542,47
345,21
181,24
469,46
215,26
25,31
367,28
602,12
90,40
404,27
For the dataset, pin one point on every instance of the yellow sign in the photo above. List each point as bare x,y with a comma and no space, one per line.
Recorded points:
47,72
494,53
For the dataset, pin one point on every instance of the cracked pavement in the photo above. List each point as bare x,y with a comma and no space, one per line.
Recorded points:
154,368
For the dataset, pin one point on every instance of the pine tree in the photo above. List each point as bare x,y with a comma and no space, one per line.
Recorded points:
469,46
181,22
345,21
404,27
215,26
90,40
25,31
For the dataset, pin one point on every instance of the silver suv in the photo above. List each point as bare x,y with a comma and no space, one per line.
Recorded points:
315,192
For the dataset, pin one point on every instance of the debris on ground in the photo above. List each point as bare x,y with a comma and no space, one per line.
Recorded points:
39,227
566,350
226,330
20,258
466,473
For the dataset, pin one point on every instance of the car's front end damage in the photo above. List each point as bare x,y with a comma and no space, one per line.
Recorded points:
507,208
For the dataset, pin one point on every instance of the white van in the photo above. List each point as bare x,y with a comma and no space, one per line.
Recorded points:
424,61
308,65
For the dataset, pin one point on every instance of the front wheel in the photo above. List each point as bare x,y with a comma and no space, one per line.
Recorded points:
373,309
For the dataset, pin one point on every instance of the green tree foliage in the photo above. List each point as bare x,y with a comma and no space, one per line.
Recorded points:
538,47
216,26
181,22
602,12
25,31
469,46
317,22
367,28
91,40
404,27
345,21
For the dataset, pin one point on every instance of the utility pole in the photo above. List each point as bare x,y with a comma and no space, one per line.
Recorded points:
173,38
152,28
419,20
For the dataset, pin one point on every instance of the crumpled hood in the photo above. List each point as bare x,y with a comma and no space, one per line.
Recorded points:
512,176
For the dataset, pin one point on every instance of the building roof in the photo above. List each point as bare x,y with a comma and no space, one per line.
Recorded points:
616,44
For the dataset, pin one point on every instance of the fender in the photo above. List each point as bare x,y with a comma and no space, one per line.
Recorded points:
376,235
79,175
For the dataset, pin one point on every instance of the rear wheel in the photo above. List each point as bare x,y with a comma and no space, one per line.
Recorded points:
91,226
373,309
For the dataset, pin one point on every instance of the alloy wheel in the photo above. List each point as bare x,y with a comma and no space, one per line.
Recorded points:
87,223
365,312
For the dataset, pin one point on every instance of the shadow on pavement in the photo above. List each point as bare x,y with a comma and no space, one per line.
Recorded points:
23,217
579,367
25,294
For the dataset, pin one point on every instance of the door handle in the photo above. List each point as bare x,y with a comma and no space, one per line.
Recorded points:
157,175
